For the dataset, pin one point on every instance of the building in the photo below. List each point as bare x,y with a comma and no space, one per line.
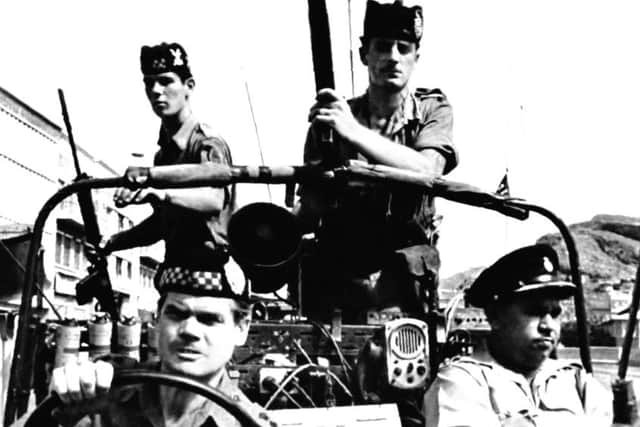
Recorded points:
36,161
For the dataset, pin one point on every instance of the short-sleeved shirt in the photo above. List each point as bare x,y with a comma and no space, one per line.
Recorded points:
370,222
193,237
483,393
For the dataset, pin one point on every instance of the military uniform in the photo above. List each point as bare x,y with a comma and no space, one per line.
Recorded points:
193,238
469,392
141,408
365,226
520,293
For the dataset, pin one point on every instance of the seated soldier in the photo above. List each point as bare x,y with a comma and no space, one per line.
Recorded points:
200,321
517,383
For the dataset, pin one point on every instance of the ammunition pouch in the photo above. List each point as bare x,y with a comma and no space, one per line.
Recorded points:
416,271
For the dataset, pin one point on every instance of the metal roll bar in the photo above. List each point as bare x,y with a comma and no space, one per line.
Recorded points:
217,175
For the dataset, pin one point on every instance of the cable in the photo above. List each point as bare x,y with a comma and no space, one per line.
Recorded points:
295,402
301,350
353,83
255,126
346,366
450,310
296,372
303,392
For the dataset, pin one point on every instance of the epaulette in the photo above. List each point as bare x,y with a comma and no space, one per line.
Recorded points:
423,93
570,366
463,360
209,132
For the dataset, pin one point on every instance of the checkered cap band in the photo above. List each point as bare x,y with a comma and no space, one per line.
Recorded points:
179,278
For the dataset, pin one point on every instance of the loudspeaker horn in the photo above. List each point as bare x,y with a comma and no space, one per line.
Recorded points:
264,239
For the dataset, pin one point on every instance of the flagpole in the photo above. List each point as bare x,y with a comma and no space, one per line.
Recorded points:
506,218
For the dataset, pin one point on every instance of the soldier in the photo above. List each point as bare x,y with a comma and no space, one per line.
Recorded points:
517,383
201,319
191,221
372,243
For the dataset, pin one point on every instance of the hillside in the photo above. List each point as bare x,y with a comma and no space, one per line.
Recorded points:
608,251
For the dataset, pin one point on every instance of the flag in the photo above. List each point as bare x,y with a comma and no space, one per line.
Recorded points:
503,187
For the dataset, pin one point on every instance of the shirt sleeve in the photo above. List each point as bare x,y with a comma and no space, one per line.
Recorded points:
215,150
597,401
436,129
457,398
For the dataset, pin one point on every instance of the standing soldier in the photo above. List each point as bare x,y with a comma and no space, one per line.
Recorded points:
191,221
373,243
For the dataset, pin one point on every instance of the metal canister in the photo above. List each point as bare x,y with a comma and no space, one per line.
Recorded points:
129,330
100,330
67,342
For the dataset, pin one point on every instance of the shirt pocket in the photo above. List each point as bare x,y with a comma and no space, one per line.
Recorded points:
560,393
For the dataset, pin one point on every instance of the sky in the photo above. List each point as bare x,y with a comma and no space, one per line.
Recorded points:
549,90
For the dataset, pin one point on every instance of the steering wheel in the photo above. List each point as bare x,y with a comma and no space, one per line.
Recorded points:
42,415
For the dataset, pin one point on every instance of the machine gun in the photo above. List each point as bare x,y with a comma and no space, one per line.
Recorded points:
95,285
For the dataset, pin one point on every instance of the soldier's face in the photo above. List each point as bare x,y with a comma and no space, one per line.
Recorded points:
167,93
197,335
528,329
390,62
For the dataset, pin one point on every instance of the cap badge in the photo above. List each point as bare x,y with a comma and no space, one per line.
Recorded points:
177,57
237,287
548,266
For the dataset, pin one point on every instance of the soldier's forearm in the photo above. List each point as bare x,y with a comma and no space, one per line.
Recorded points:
143,234
379,149
205,200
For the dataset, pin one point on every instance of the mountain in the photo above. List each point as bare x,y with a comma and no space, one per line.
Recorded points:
608,253
460,280
608,250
